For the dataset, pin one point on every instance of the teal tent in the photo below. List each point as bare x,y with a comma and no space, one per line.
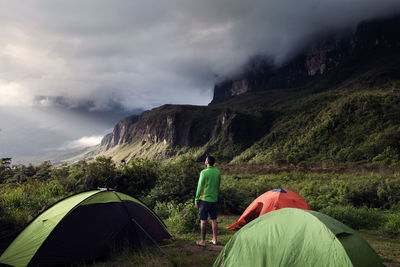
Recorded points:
84,226
296,237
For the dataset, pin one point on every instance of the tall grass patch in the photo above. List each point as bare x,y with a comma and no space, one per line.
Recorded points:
392,226
356,218
180,218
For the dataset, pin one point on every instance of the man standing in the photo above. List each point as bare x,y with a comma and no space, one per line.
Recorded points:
206,199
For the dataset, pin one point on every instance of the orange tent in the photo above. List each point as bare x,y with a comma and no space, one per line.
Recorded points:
272,200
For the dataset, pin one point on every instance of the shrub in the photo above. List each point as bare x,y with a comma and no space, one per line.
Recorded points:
88,176
43,171
176,182
165,209
365,193
356,218
74,182
137,177
99,173
19,205
180,218
389,157
388,192
233,200
320,194
392,226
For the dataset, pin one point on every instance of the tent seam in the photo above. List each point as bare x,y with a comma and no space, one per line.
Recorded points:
132,219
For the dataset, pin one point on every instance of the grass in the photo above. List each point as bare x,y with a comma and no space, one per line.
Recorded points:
387,246
361,197
182,251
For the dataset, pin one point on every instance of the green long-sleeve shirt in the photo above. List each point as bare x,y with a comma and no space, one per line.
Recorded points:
208,186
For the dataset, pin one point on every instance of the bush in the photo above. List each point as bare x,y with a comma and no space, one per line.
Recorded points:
233,200
179,218
165,209
176,182
20,204
137,177
365,193
319,194
84,176
356,218
237,192
389,157
99,173
392,226
388,192
43,171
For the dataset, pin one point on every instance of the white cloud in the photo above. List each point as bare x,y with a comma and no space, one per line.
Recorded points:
14,94
85,141
45,102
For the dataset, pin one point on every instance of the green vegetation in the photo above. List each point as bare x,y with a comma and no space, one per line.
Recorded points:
333,127
302,126
346,116
369,201
334,139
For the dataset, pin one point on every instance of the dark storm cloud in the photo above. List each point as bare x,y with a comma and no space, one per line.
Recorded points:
170,50
95,57
108,114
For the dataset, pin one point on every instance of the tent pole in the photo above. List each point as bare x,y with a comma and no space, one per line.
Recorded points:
133,220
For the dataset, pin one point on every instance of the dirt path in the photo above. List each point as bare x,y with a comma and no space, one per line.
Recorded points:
193,255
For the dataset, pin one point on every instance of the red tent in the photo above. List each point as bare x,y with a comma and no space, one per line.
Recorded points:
272,200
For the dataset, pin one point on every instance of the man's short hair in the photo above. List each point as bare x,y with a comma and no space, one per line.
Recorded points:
210,160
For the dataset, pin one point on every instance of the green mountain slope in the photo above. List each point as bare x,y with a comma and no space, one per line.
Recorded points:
343,109
355,120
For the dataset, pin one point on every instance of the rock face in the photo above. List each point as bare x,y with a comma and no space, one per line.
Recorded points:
121,134
231,129
256,75
316,60
173,125
187,126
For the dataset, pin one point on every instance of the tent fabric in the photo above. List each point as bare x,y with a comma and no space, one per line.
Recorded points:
84,226
272,200
296,237
279,190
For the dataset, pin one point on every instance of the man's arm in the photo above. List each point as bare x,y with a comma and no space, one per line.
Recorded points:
200,186
219,182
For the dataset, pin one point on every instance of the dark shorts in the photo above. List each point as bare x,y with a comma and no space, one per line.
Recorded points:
208,208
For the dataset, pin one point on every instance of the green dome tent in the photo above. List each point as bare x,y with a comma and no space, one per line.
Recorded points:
296,237
84,227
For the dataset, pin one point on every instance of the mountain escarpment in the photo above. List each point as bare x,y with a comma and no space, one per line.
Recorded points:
177,128
317,59
337,102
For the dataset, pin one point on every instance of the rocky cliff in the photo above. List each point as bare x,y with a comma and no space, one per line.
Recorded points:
122,132
278,113
178,126
317,59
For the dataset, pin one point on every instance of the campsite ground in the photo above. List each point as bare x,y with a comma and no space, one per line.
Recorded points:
362,198
182,251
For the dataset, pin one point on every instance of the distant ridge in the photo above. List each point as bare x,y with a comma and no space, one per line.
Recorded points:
337,102
318,59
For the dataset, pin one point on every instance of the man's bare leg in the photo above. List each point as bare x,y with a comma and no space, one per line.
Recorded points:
215,231
203,225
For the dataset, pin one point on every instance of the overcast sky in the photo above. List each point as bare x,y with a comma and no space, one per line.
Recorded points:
69,70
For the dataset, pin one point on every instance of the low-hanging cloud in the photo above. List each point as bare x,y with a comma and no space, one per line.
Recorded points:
82,142
73,68
147,53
